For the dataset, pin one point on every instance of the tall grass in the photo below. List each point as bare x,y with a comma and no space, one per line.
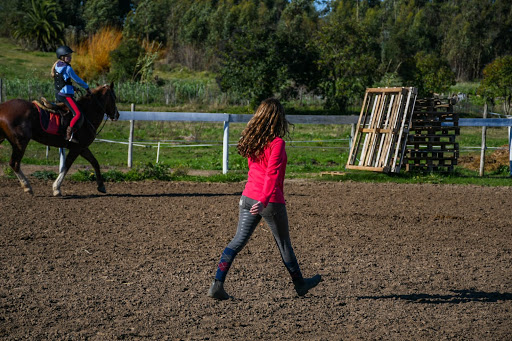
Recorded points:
92,56
28,89
173,92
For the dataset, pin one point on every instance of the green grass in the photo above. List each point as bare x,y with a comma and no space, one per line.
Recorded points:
459,177
472,136
312,149
16,62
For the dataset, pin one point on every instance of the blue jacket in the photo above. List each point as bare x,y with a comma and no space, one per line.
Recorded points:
68,74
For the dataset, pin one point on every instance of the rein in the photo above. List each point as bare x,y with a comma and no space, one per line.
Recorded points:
104,122
106,119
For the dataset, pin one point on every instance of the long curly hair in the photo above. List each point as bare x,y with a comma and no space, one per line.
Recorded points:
268,122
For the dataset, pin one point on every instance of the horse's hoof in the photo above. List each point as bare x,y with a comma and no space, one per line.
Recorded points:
102,189
29,191
57,194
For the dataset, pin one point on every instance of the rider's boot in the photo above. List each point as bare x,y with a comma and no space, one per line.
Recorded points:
69,135
303,285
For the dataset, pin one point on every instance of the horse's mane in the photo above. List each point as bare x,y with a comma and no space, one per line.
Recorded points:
87,98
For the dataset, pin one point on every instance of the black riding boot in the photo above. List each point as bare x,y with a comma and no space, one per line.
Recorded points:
303,285
217,290
69,135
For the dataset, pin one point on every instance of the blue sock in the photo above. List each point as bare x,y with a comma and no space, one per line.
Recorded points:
228,255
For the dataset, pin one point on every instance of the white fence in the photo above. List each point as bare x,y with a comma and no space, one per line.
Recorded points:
226,119
302,119
133,116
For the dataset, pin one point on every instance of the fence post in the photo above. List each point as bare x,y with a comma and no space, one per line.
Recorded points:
352,133
510,150
484,137
158,152
130,139
225,148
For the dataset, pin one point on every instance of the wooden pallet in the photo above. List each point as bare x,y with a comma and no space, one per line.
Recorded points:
431,145
332,173
382,130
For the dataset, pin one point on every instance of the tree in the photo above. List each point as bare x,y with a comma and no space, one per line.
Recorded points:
467,40
124,61
295,34
408,28
102,13
347,61
10,12
497,82
71,13
432,74
40,27
265,47
250,66
149,20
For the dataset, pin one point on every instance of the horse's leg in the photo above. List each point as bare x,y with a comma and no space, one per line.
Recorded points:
18,149
86,154
70,158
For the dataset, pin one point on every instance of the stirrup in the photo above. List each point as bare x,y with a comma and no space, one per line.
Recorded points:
72,138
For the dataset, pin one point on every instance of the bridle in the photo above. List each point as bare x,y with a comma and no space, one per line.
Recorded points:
103,107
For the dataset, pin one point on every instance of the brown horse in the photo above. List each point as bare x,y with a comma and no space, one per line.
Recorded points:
20,122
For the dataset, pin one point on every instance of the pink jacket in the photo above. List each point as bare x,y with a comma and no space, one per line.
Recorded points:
266,175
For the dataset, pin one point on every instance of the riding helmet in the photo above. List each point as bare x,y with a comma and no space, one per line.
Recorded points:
63,50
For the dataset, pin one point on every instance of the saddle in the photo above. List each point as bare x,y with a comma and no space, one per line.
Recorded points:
56,108
54,117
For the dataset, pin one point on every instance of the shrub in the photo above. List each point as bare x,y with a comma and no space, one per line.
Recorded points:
92,58
45,175
124,61
113,176
84,175
9,173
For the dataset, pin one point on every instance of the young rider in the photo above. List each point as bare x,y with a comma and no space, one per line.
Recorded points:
263,196
63,74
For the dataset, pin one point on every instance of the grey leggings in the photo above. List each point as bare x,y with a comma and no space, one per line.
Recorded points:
277,219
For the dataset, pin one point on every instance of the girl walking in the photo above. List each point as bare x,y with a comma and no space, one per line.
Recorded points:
262,144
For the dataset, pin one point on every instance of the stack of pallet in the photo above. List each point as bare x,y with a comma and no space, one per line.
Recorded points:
431,145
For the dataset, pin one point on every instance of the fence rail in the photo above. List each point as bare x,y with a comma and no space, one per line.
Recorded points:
226,119
133,116
295,119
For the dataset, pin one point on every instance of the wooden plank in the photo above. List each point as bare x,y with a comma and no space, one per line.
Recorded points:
384,90
377,169
357,137
375,130
385,140
406,121
362,158
376,136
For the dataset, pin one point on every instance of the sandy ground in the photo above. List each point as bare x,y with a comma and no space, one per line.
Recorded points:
399,262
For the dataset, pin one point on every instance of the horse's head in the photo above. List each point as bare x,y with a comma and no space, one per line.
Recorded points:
107,99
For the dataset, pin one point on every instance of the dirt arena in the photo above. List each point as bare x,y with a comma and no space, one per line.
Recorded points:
399,262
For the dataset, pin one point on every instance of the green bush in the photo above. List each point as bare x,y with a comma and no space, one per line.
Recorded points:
113,176
124,61
84,175
45,175
9,173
